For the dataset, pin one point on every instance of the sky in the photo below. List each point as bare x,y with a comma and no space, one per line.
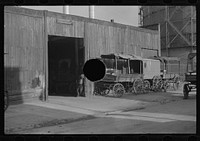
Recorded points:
121,14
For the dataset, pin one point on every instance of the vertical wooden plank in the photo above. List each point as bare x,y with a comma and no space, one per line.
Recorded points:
45,56
86,55
125,41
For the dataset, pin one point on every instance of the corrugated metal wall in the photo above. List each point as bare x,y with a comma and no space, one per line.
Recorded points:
23,34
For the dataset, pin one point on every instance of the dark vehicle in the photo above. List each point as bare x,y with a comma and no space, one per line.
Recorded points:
190,76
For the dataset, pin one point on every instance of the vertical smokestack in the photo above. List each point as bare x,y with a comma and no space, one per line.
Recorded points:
65,9
91,12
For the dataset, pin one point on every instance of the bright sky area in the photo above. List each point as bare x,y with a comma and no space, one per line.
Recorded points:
121,14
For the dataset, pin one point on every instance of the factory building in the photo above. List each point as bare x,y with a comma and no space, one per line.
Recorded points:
177,26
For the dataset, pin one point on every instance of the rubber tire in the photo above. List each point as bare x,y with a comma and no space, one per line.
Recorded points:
185,92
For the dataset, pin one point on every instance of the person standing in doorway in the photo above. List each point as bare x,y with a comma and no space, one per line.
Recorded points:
80,88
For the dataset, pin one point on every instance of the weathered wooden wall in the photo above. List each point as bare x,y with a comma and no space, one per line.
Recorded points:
104,39
23,43
26,40
62,25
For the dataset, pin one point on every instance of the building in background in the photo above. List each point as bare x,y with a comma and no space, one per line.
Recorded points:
177,28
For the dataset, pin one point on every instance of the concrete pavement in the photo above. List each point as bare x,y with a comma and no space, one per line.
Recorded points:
60,110
22,117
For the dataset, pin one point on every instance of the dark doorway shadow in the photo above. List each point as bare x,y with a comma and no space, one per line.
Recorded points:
65,61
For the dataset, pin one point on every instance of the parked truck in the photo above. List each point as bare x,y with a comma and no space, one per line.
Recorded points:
190,75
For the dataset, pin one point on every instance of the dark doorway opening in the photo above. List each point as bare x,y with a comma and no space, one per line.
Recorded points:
65,62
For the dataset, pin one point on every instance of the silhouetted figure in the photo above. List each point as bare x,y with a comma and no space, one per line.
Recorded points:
80,89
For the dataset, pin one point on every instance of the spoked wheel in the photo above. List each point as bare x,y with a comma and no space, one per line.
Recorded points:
6,100
131,88
138,86
118,90
156,83
165,85
146,86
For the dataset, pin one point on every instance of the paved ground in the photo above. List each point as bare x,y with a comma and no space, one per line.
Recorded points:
76,114
161,118
60,110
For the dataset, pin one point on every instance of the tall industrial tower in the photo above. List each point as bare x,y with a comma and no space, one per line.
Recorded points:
177,28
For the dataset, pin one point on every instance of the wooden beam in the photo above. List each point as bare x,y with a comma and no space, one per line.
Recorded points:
45,94
173,12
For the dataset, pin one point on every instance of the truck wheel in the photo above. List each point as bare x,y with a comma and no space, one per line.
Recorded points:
118,90
185,92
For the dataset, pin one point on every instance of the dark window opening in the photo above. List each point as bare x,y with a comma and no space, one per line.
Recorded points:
136,66
122,66
110,63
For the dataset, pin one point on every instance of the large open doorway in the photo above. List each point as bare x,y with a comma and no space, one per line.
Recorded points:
65,62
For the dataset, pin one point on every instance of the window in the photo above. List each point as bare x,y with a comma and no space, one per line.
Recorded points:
145,65
110,63
136,66
122,65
